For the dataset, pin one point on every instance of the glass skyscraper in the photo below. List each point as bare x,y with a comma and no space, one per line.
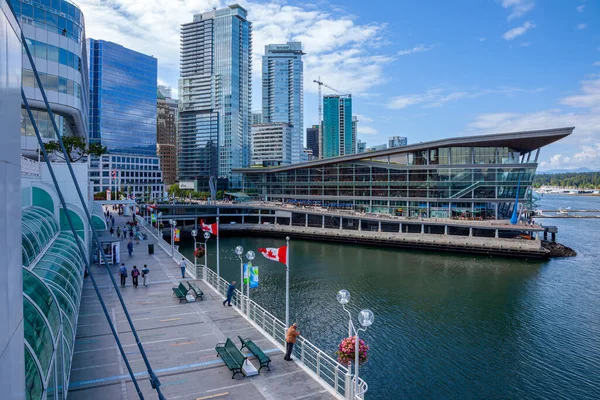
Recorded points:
123,98
55,34
215,96
339,137
282,91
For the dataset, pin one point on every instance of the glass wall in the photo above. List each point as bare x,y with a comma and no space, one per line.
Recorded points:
58,16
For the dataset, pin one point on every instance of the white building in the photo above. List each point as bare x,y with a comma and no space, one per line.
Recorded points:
271,144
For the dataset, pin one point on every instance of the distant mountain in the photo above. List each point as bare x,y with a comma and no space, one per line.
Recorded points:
562,171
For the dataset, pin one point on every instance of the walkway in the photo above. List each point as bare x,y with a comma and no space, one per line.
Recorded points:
179,340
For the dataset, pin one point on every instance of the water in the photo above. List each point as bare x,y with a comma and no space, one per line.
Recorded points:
449,326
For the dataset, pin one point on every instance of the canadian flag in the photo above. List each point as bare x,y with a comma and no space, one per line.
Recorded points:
212,228
279,254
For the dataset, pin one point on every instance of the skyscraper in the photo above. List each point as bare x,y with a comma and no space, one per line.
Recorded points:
312,140
166,134
123,118
396,141
271,144
215,96
337,126
354,133
282,90
55,32
257,117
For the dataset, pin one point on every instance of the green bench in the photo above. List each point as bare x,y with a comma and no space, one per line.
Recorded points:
180,291
232,357
196,290
254,349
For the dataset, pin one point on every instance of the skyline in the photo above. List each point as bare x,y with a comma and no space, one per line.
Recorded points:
424,71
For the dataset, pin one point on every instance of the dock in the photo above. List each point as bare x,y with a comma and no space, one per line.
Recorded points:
179,340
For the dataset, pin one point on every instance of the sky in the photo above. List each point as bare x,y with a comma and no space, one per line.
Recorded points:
427,69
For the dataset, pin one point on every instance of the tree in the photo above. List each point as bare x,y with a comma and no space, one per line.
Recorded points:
76,148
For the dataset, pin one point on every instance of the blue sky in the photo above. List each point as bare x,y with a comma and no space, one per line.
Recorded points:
422,69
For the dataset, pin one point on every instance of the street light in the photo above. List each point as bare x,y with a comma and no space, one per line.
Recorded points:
365,318
194,233
206,237
173,225
239,250
250,256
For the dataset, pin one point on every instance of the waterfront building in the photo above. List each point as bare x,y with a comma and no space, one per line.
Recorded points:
55,32
470,177
271,144
282,90
123,118
397,141
378,147
166,135
361,146
257,117
312,140
337,126
215,97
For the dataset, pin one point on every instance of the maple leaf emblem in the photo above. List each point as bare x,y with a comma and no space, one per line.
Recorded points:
270,254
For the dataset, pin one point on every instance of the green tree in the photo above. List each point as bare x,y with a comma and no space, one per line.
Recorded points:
76,148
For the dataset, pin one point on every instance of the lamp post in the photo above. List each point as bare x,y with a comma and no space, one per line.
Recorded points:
250,256
206,237
173,225
365,318
194,233
239,250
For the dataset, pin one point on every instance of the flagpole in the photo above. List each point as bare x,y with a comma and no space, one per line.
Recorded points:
218,257
287,283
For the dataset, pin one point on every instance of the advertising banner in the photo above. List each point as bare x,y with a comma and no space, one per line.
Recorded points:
177,233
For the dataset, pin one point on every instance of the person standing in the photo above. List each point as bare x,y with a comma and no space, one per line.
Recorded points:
123,273
182,266
112,231
230,291
134,276
130,247
118,232
145,272
290,339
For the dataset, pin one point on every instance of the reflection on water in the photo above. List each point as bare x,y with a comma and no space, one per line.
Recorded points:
448,326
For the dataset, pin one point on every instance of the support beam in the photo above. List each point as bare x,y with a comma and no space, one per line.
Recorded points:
496,233
446,230
323,221
306,220
470,232
422,229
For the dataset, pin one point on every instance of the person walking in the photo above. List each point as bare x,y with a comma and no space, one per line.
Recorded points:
123,273
112,231
290,339
145,272
230,291
118,232
182,266
130,247
134,276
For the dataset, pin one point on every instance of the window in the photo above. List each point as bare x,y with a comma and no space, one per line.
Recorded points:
52,83
39,49
62,85
52,53
62,56
28,79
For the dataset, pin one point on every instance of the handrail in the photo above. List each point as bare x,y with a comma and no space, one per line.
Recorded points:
466,190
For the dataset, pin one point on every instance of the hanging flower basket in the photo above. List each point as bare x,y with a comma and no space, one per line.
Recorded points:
199,252
346,351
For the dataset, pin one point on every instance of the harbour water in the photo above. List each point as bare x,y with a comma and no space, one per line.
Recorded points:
447,325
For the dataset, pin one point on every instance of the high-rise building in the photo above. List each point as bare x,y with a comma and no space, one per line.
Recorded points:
215,96
397,141
312,140
165,91
271,144
307,155
354,133
123,118
361,146
378,147
55,32
166,135
337,126
282,90
257,117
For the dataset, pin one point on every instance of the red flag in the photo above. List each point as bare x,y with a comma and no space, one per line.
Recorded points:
274,254
212,228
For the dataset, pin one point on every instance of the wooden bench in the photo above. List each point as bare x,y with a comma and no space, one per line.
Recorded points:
196,290
180,291
232,357
254,349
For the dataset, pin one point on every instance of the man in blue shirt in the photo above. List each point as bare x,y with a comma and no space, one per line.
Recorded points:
230,291
123,273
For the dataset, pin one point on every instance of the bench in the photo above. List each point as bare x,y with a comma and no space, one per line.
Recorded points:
180,291
196,290
254,349
232,357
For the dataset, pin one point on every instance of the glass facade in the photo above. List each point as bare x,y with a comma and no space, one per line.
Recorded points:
282,91
123,98
338,135
57,16
468,180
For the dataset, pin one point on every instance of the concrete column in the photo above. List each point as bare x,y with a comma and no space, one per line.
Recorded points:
379,230
341,219
470,232
290,219
360,225
446,230
242,219
323,223
259,219
422,229
306,220
496,234
275,220
553,237
400,231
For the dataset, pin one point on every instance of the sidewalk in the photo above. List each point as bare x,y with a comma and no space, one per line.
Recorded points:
179,340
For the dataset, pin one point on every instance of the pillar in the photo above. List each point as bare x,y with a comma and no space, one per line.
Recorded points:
400,227
470,232
341,223
306,220
360,225
496,234
275,220
291,215
379,230
553,237
446,230
323,223
242,219
259,218
422,229
545,234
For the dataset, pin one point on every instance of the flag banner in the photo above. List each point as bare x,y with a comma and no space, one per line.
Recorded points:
253,275
153,218
245,274
177,233
212,228
274,254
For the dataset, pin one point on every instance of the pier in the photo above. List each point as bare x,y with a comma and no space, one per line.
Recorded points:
180,339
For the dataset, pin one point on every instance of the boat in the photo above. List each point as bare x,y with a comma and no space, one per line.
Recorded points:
564,211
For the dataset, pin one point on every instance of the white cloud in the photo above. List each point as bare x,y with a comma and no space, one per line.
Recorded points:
518,31
481,39
420,48
590,97
580,8
518,7
366,130
363,118
525,44
581,26
596,64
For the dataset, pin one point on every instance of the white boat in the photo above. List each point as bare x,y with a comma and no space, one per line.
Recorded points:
564,211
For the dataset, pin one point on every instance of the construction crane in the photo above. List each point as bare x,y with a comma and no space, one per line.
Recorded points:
320,83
